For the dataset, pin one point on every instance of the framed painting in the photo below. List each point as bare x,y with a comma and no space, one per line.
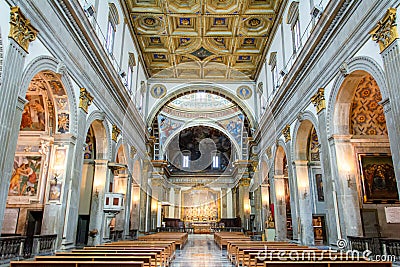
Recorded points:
34,114
320,187
55,192
378,178
25,177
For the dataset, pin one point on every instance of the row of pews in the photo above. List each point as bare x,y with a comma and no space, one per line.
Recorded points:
147,252
243,252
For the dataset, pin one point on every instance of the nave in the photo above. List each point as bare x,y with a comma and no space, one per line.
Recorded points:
201,251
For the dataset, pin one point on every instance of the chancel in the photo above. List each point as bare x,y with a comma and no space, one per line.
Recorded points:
199,133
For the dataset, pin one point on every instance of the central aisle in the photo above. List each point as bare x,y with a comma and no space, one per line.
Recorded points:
201,251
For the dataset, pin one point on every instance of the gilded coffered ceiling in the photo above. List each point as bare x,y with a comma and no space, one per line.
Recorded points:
202,39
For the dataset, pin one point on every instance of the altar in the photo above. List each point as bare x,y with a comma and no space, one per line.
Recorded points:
202,227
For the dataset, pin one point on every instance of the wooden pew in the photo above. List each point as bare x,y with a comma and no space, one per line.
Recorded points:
156,258
163,256
147,261
327,264
75,264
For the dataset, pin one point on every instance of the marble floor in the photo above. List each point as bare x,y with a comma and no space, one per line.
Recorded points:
201,251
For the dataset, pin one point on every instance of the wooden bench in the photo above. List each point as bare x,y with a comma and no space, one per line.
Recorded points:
163,256
75,264
327,264
179,238
147,260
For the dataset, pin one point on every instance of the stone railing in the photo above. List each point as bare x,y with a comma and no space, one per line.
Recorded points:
18,247
11,247
378,246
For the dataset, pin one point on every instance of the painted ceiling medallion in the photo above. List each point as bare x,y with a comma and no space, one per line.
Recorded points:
253,22
158,91
244,92
202,53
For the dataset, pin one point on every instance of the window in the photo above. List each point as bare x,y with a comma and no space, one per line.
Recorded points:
185,163
110,37
215,163
129,76
113,21
274,71
296,35
293,20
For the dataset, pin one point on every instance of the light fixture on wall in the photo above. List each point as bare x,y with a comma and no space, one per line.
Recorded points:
349,181
305,193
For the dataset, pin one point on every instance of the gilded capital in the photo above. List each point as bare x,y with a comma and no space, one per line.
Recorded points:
286,133
85,99
133,152
21,30
269,152
115,133
385,32
244,182
319,100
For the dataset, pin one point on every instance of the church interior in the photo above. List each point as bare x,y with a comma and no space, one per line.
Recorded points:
199,132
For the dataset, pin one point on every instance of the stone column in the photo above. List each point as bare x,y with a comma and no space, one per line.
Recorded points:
244,201
280,208
177,199
234,211
20,36
97,215
135,210
54,213
224,203
258,221
306,234
143,206
294,204
387,36
332,213
346,186
72,203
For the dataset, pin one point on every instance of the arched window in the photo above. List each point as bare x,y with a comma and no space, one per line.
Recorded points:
293,20
113,21
129,76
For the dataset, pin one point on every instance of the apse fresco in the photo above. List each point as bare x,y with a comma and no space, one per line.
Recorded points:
25,176
33,115
201,144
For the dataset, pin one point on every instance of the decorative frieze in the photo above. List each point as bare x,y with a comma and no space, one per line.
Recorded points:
385,32
21,30
115,133
286,133
319,100
85,99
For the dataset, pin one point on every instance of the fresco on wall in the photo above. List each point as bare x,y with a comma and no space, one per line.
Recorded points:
167,127
25,176
33,115
234,126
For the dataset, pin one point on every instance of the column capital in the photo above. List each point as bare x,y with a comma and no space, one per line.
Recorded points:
286,133
85,99
21,30
133,152
269,152
385,32
319,100
115,132
244,182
